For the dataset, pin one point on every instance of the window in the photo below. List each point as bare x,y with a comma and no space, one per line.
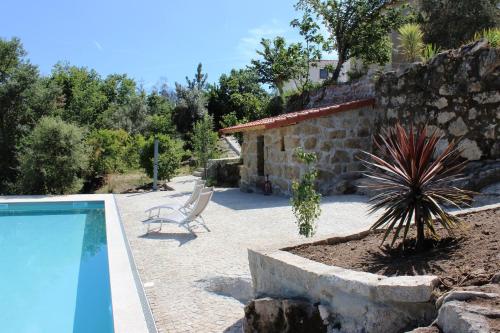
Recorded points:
282,143
323,73
260,155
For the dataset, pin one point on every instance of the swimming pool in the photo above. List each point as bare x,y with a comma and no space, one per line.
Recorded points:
65,266
54,272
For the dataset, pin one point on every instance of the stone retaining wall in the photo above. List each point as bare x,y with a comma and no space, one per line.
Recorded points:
456,93
337,140
355,301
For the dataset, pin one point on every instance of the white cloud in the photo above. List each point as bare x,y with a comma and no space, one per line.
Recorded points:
251,42
97,45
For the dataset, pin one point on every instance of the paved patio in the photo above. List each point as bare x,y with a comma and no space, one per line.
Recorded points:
200,282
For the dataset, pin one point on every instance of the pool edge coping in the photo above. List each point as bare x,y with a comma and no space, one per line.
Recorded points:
128,305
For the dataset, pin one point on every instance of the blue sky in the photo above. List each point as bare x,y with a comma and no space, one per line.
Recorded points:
149,40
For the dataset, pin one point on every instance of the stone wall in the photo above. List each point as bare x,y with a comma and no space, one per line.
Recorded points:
352,301
456,93
337,140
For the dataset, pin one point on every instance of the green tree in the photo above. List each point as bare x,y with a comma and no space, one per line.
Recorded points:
160,111
450,23
280,62
82,95
204,141
305,200
108,149
132,117
53,158
310,31
412,43
199,81
19,88
191,106
169,159
358,28
238,93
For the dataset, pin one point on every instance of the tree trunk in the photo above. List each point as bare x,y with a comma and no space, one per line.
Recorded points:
336,72
420,229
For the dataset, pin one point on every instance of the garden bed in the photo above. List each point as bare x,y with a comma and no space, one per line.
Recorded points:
471,257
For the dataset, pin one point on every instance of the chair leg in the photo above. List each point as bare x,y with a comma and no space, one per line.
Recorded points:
204,224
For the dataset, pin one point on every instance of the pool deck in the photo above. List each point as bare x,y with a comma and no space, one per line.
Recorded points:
199,282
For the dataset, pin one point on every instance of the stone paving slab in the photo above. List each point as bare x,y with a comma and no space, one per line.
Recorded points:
200,282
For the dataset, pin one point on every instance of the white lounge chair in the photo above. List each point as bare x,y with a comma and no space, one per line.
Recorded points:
184,219
185,207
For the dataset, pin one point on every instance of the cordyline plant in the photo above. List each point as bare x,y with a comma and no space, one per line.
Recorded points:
414,182
305,200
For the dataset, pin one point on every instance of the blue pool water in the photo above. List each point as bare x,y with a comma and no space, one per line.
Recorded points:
54,274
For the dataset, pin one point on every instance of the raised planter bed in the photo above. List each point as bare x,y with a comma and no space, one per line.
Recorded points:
356,301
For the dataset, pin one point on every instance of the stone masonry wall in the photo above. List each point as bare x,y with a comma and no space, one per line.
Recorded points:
456,93
337,139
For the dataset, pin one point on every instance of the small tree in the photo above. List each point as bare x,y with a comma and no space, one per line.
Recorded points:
413,185
305,200
169,159
412,42
204,141
358,28
53,158
280,62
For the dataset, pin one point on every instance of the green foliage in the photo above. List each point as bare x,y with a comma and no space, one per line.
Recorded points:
53,158
450,23
411,39
82,97
169,160
199,81
238,93
358,28
108,151
305,200
357,71
23,99
280,62
492,35
429,52
204,141
191,106
310,31
412,183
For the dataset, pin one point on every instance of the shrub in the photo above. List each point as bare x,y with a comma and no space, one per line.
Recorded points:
108,151
411,38
429,52
492,35
53,158
204,141
413,185
169,156
305,200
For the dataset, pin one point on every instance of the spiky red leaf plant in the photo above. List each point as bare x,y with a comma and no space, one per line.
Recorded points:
413,182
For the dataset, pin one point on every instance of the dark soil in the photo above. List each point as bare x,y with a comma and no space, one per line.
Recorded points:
468,257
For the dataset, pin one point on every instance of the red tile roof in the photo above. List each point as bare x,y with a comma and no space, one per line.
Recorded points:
295,117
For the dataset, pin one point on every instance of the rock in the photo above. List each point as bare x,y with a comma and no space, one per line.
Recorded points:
430,329
441,103
464,295
282,316
462,317
444,117
489,97
470,150
496,278
472,114
458,127
340,156
310,143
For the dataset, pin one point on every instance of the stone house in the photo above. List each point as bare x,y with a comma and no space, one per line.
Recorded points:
336,133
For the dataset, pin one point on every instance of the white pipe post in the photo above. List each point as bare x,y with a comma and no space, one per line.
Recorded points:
155,166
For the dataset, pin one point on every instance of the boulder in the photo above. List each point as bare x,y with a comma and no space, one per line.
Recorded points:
282,316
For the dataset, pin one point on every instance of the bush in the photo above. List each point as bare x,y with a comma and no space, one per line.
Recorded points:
412,184
204,141
108,150
492,35
169,160
53,158
305,200
412,44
